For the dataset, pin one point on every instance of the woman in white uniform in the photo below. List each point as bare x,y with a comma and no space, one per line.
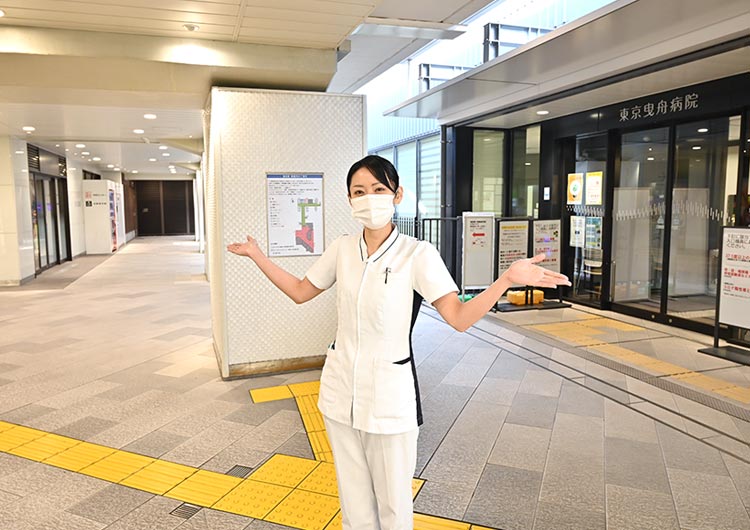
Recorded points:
369,395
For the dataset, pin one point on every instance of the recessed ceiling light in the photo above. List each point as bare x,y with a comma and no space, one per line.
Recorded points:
190,136
542,112
110,166
650,158
71,169
96,159
527,164
80,146
703,130
19,152
67,150
117,169
165,154
29,128
696,148
134,171
152,160
57,145
85,153
138,131
191,27
163,147
2,13
170,166
150,116
75,154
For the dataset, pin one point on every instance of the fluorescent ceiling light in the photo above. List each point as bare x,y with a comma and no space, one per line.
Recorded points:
152,160
150,116
542,112
138,131
85,153
80,146
703,130
29,128
96,159
696,148
408,29
163,147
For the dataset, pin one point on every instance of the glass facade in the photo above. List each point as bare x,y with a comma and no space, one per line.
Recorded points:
525,179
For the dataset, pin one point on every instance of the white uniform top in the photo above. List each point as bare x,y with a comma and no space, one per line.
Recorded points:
369,378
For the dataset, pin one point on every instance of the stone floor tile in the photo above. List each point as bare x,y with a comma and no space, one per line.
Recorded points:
522,447
297,445
635,509
155,444
110,504
575,399
444,499
505,498
207,519
635,464
533,410
464,374
551,516
508,366
540,383
69,521
22,415
152,515
707,502
623,422
575,480
740,473
498,391
686,453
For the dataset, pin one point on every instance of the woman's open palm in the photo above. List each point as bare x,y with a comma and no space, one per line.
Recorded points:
527,272
249,248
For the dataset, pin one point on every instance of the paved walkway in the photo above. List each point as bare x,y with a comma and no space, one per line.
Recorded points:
525,427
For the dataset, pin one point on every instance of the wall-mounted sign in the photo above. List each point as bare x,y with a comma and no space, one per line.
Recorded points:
594,188
577,228
594,232
478,250
513,244
547,242
661,107
575,188
295,214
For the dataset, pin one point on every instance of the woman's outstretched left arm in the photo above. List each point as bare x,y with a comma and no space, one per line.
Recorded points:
462,315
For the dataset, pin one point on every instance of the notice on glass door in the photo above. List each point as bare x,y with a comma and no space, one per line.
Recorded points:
577,227
547,242
575,188
594,188
735,278
513,244
295,214
594,232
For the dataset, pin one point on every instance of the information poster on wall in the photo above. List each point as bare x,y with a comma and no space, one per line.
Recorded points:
478,250
547,242
575,188
594,188
735,278
295,214
577,228
594,232
513,242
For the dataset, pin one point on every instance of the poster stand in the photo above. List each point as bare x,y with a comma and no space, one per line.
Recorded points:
507,307
737,261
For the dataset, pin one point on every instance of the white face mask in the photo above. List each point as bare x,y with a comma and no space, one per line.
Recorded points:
373,210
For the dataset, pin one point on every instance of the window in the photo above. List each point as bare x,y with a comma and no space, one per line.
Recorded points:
525,177
487,192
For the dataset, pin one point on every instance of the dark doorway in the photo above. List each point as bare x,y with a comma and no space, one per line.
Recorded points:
165,207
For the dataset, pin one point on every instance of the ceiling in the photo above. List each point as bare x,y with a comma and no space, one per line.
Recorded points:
623,37
86,71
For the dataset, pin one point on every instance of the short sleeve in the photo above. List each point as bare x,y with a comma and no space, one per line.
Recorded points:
322,274
431,277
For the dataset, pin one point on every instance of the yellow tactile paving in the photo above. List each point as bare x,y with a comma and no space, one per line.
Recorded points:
44,447
17,436
737,393
416,486
203,488
274,393
79,456
253,499
304,509
305,389
321,480
159,477
428,522
321,446
4,426
703,381
117,466
284,470
336,523
610,324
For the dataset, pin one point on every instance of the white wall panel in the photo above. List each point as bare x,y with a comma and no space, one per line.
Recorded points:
253,132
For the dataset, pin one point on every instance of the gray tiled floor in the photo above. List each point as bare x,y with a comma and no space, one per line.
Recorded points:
521,432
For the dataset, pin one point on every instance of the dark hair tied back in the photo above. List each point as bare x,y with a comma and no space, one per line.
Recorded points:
381,168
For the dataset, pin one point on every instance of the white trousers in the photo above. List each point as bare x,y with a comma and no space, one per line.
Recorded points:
374,474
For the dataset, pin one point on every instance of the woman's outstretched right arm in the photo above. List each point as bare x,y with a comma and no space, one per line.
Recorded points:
298,290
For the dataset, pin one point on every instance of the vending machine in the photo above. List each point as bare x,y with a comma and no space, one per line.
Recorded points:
103,216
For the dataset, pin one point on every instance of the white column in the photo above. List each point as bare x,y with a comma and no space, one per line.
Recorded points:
16,236
257,329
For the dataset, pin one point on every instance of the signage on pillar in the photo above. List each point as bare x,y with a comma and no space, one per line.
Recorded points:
547,242
478,250
295,214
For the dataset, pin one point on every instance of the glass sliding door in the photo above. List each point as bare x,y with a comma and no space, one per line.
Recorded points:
488,194
525,177
706,169
639,219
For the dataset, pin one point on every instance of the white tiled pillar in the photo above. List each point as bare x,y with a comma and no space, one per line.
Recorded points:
16,243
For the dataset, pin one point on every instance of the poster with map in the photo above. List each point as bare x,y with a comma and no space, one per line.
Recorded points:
295,214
